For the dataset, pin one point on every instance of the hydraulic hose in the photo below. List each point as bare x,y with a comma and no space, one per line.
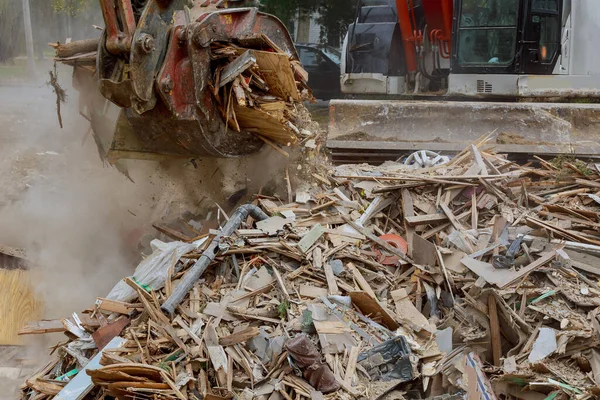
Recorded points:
195,272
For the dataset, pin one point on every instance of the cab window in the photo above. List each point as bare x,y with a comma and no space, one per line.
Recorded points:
546,17
487,32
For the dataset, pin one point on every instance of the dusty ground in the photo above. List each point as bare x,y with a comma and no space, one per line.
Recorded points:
81,221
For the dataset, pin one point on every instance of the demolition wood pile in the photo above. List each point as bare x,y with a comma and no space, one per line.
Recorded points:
474,279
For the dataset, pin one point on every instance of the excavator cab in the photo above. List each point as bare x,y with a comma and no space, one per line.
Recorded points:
492,39
486,35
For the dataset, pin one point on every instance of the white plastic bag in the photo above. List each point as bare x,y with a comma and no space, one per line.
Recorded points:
153,270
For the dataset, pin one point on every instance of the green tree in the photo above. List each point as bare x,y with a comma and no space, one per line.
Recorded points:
287,10
11,29
48,23
334,15
71,7
45,19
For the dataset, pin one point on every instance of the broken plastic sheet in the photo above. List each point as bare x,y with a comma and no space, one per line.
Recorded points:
388,360
544,345
153,270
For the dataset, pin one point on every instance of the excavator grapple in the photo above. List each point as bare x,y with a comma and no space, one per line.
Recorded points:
154,61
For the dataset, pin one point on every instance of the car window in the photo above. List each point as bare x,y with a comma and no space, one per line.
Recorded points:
333,54
309,57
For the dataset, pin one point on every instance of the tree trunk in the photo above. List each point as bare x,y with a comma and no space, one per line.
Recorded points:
11,29
303,27
28,38
76,47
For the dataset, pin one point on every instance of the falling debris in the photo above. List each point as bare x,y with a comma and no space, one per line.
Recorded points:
473,279
61,94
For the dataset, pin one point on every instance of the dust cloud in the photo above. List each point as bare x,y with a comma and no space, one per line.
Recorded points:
71,212
80,221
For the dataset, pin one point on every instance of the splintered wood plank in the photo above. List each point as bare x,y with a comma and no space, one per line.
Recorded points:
407,311
362,282
474,214
216,353
239,337
408,211
495,330
172,233
18,304
378,241
351,365
479,160
331,327
317,258
331,283
264,124
42,327
280,282
312,291
447,276
562,232
236,67
427,219
277,72
117,306
533,266
373,309
453,220
300,72
54,325
504,277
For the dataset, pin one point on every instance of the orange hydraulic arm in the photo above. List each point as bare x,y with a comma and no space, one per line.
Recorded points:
408,38
117,40
438,14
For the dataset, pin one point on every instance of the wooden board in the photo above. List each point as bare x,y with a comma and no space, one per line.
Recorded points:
407,311
425,219
18,304
373,309
504,277
423,251
261,123
276,69
312,291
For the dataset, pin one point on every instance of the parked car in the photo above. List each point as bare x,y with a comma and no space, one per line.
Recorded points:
323,66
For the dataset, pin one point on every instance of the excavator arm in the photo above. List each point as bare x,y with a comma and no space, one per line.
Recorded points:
120,25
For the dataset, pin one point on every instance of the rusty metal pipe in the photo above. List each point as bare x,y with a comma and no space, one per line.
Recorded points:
195,272
113,11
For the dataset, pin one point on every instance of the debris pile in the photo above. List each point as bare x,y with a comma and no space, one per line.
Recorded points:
473,279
